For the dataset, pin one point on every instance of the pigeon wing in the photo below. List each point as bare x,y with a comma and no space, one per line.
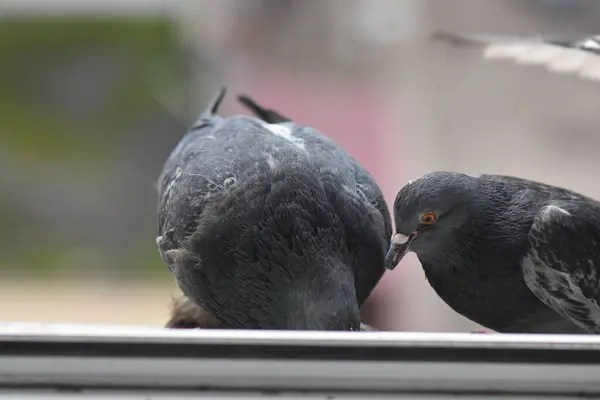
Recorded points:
561,55
563,262
173,177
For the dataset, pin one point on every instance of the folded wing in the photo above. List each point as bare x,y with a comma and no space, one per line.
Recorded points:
562,265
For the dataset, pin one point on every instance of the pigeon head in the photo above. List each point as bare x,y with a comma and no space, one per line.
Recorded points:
270,253
427,213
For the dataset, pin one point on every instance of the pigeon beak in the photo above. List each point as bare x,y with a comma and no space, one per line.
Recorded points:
399,246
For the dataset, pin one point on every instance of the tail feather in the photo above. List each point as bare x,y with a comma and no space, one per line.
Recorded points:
212,110
267,115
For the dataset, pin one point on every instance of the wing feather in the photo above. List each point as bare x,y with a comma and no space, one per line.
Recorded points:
563,262
561,55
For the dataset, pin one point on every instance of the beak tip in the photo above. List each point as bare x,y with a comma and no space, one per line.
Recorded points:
390,263
399,246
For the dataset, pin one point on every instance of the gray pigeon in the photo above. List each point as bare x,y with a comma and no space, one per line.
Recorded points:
267,224
558,54
508,253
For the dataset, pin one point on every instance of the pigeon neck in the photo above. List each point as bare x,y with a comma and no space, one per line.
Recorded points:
447,259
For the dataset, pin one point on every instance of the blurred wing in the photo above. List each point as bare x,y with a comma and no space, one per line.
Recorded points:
557,54
562,265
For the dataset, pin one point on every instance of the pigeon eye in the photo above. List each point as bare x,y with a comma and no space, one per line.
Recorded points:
428,217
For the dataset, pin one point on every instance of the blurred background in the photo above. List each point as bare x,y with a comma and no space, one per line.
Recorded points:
95,95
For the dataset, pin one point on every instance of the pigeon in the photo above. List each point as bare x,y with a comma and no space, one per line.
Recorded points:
268,224
185,314
558,54
513,255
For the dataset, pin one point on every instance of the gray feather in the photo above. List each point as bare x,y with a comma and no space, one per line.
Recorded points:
558,54
270,225
495,257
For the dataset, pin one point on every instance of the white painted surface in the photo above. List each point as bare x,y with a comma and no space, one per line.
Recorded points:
175,395
149,334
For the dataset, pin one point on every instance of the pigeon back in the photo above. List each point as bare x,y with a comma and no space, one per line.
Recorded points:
236,188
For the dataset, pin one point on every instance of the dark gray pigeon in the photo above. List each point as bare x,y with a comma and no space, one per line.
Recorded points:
508,253
267,224
558,54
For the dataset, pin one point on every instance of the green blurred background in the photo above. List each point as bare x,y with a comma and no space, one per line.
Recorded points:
82,141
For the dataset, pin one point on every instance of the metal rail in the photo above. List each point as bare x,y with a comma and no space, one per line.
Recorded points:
83,357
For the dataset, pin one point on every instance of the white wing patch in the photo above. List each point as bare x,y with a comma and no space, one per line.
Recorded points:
414,180
286,133
550,211
554,58
270,161
522,53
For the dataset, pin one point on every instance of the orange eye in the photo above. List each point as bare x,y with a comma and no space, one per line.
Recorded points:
428,218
